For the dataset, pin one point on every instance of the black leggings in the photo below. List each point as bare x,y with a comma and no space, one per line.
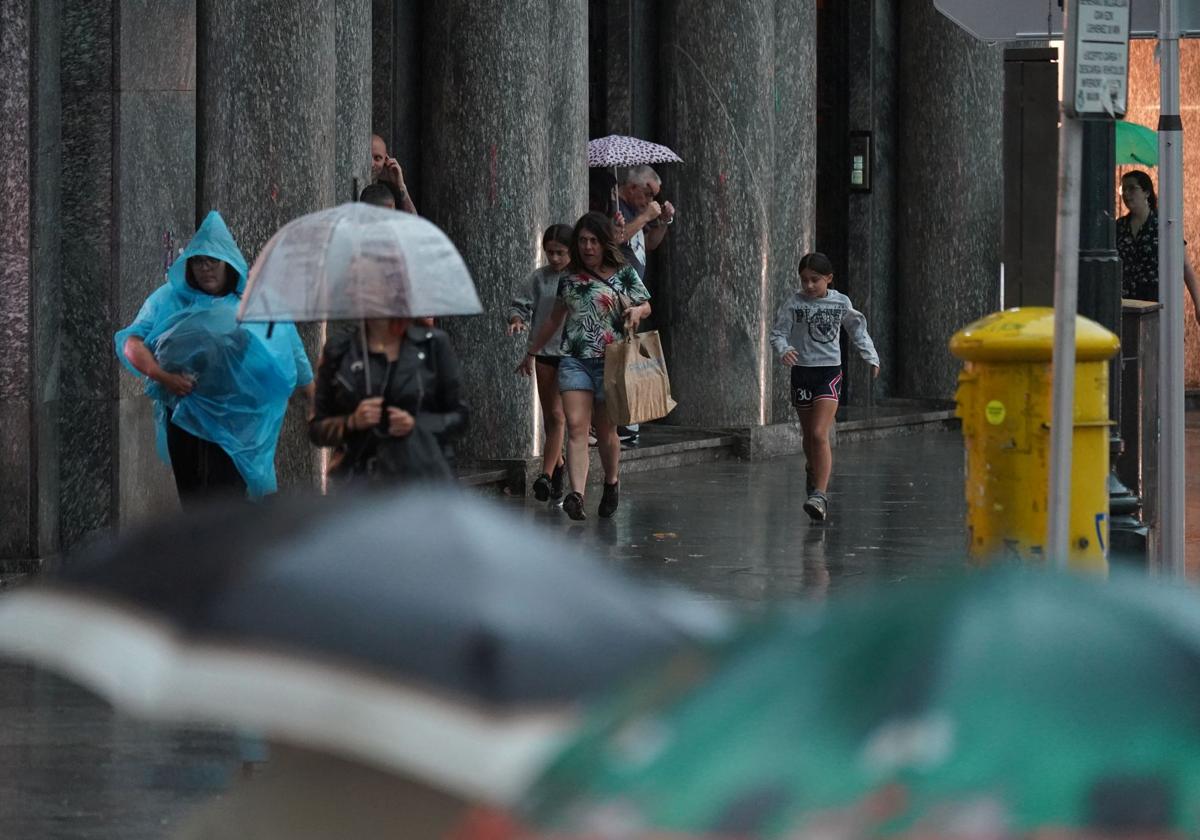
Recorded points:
203,470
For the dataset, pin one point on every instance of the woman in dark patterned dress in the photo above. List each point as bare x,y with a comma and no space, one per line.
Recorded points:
1137,243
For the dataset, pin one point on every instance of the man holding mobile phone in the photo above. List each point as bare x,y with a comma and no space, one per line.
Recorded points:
386,170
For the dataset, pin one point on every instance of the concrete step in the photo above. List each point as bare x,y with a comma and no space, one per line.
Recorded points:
665,447
659,447
892,425
854,424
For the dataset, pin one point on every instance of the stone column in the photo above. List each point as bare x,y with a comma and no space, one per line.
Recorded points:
30,274
567,112
722,65
266,134
951,183
490,77
154,173
869,275
353,137
88,425
794,198
396,76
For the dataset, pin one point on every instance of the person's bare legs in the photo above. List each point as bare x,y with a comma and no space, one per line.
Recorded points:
802,415
817,423
608,444
553,418
577,406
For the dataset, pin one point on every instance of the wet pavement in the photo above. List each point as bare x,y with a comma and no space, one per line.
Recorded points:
736,532
71,768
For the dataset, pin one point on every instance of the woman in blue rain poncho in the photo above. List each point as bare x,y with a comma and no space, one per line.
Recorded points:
219,388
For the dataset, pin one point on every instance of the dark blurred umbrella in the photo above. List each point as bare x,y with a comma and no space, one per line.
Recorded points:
426,632
1010,702
358,261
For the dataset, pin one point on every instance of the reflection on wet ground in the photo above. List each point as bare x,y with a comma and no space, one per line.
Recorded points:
70,768
735,531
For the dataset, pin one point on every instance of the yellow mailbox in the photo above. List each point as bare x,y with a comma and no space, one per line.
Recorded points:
1004,400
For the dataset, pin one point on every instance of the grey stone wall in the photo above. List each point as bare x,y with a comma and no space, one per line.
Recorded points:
735,76
30,274
489,73
88,425
794,181
566,115
266,137
154,199
869,277
397,61
353,138
950,176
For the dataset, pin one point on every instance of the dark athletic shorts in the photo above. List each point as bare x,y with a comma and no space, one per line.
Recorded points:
548,360
810,384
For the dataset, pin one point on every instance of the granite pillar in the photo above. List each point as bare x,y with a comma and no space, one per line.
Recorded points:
489,77
154,204
266,136
868,276
722,65
396,89
88,425
793,226
30,274
950,184
567,95
352,169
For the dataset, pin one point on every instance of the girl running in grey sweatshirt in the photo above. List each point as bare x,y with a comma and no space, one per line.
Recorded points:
805,338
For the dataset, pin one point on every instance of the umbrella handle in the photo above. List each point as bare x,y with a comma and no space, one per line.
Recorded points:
366,354
615,195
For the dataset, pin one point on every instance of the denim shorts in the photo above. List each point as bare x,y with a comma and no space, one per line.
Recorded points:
581,375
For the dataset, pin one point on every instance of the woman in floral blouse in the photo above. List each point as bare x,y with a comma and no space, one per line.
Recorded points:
601,299
1137,243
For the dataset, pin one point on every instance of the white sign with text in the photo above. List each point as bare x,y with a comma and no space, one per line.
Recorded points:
1099,86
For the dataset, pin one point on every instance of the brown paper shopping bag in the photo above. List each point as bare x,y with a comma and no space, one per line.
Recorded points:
636,387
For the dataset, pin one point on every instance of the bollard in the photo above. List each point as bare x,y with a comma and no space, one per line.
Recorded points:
1004,402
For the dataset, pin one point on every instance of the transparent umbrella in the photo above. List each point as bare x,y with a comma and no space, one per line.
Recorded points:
358,261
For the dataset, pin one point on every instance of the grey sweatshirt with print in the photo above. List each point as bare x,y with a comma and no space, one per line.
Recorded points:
533,301
811,328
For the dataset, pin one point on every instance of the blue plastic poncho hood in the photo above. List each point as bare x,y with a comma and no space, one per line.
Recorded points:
243,378
213,239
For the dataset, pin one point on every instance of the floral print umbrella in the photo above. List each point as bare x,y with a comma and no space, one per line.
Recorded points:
618,150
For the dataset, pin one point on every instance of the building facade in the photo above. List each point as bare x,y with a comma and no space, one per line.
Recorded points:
122,122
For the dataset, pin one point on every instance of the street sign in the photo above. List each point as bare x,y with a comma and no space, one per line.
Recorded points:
1041,20
1096,83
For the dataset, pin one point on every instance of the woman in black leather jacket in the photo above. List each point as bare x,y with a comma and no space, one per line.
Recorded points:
392,412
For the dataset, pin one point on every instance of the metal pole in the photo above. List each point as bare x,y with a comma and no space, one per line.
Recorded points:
1066,298
1170,288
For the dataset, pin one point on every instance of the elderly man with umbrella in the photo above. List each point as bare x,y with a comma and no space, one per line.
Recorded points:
642,220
